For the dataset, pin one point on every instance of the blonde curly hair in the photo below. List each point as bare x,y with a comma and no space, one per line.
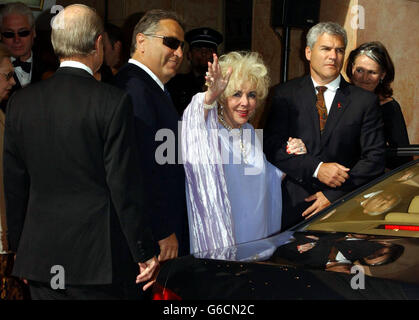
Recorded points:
248,67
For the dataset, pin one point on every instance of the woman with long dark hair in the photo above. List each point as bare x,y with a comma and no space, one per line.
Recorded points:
370,67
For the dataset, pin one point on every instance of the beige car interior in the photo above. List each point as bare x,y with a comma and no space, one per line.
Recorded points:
412,215
375,227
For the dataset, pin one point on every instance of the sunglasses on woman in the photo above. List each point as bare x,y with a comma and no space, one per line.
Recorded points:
11,34
171,42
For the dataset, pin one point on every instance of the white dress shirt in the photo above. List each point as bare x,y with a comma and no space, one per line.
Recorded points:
23,77
76,64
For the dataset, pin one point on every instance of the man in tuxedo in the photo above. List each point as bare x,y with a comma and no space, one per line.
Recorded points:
74,198
18,34
340,125
156,54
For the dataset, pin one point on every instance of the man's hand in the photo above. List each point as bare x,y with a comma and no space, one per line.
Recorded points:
168,248
319,204
148,271
305,247
339,267
332,174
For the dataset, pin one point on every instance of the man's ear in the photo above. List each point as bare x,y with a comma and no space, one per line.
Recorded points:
98,43
308,53
140,39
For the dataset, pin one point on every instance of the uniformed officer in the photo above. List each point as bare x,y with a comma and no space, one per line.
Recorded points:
203,42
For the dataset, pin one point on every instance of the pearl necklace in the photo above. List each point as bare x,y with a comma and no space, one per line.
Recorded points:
229,128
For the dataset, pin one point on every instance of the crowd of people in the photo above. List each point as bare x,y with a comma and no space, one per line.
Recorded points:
100,178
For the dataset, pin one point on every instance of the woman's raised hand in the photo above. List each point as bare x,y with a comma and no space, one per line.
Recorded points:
215,81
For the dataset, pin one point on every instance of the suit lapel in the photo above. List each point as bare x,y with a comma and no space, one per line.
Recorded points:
156,88
340,104
147,78
307,96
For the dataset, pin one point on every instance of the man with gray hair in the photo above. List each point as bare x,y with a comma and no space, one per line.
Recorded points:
156,55
340,125
74,198
17,25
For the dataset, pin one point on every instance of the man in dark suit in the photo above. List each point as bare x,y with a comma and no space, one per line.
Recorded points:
74,197
340,125
18,34
156,54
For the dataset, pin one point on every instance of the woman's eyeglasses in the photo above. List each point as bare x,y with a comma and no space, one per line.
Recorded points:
11,34
8,76
171,42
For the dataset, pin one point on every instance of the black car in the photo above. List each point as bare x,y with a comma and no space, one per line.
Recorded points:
365,246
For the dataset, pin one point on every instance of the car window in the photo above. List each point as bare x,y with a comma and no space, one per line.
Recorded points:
390,207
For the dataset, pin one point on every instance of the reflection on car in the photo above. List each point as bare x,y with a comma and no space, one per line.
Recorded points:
364,246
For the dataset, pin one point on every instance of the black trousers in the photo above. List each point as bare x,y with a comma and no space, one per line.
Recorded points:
119,291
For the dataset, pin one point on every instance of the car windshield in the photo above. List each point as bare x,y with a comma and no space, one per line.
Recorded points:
390,207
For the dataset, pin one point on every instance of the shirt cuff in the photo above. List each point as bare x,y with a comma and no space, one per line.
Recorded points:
317,170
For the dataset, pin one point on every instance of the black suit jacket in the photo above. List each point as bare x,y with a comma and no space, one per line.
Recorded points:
154,110
353,137
73,194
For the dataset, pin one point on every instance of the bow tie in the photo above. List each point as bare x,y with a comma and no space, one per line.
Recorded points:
26,66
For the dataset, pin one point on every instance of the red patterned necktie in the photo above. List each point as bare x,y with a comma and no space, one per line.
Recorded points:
321,107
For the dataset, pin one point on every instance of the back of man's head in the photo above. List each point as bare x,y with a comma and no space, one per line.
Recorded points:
17,8
75,31
149,23
331,28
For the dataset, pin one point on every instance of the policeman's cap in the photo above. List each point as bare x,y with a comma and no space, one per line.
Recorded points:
203,37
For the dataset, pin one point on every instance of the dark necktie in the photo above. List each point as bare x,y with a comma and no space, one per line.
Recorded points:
321,107
26,66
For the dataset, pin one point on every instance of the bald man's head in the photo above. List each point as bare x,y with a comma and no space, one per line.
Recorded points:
75,31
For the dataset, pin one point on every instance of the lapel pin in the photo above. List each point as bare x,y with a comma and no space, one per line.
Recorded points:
339,105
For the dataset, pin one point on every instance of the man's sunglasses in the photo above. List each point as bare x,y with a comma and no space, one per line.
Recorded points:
11,34
171,42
